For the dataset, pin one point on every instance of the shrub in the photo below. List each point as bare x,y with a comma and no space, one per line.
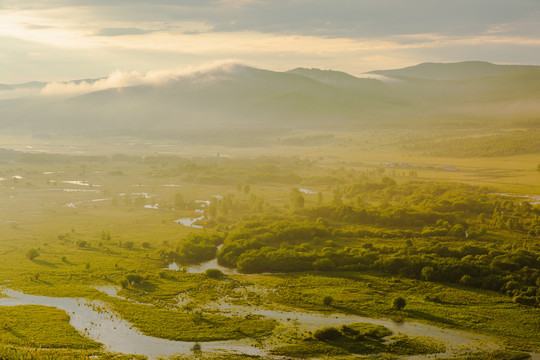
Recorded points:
466,280
328,300
213,273
324,264
427,272
32,254
134,278
398,303
349,331
196,348
327,333
124,283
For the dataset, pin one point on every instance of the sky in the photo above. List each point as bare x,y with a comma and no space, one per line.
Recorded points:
61,40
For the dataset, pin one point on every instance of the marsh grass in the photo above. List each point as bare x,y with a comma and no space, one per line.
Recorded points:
34,216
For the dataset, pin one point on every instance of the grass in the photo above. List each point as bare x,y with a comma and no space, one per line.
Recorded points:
22,353
370,295
492,355
358,339
40,327
194,326
34,215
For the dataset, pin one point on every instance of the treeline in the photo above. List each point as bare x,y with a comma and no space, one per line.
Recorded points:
441,232
225,171
40,158
289,246
425,203
387,216
506,144
195,248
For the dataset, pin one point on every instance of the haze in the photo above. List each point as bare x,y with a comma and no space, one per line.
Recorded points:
67,40
253,179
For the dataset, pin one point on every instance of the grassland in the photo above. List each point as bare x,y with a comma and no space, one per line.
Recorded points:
95,232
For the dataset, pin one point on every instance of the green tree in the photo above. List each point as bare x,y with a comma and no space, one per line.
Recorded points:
398,303
213,273
179,201
324,264
134,278
124,283
328,300
427,272
32,254
297,200
319,198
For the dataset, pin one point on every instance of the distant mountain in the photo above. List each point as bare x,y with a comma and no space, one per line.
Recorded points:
455,71
241,97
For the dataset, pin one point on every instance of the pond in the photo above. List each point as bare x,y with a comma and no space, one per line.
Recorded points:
190,222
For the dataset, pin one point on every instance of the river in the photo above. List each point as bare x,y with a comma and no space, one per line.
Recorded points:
94,320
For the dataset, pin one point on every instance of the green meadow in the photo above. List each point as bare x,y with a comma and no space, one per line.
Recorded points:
319,222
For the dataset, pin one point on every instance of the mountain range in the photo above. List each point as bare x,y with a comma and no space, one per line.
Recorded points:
237,96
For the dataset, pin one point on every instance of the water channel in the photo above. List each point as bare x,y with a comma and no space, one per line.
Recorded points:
94,320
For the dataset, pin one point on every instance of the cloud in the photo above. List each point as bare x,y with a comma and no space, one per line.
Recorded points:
92,38
121,31
120,79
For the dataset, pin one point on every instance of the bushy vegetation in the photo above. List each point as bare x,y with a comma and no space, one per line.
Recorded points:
358,338
331,234
448,232
195,248
504,144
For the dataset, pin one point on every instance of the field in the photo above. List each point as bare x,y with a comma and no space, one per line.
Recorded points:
304,226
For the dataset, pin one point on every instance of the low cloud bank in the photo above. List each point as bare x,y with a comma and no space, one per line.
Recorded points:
119,79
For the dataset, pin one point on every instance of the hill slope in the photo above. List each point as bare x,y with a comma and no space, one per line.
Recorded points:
244,97
455,71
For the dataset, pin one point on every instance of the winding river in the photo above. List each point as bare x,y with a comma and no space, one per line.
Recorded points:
94,320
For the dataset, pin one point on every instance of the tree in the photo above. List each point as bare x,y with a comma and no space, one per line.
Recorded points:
427,272
398,303
32,254
134,278
327,333
458,230
179,201
213,273
328,300
297,200
324,264
124,283
196,349
319,198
